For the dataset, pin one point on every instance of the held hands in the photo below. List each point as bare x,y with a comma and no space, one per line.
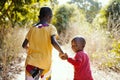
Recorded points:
63,56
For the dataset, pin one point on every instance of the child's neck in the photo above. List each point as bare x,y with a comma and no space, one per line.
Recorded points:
43,21
80,50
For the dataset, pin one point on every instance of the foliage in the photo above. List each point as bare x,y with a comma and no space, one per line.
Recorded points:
10,52
91,8
63,16
116,49
101,18
53,3
112,58
113,12
116,54
19,11
108,17
104,51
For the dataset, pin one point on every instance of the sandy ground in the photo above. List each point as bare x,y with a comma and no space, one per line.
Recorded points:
62,70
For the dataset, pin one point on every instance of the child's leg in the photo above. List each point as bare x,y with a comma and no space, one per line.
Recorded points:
48,78
28,76
47,75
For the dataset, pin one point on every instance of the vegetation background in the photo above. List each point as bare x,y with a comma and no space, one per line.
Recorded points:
100,25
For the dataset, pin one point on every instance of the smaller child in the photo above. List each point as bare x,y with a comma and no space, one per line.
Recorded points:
80,62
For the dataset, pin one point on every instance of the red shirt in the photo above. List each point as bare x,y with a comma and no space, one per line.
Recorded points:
81,65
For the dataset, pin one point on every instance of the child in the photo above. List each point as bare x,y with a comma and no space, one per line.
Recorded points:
81,61
38,42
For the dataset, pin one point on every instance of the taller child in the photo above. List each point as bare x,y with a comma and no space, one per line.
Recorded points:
38,42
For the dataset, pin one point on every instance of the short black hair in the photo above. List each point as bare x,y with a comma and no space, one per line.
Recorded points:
80,39
45,11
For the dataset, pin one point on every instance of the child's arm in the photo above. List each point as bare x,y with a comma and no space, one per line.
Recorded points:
75,62
24,45
56,45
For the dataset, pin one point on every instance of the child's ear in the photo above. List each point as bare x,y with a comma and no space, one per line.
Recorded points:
83,46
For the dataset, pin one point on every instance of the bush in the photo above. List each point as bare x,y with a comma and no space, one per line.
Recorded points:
63,16
10,52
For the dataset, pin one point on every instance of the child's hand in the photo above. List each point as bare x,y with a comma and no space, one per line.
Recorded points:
63,56
66,56
26,47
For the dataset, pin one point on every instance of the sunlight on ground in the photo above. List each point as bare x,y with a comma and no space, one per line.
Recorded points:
61,69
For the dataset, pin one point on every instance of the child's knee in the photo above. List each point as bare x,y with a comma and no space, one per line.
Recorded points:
48,78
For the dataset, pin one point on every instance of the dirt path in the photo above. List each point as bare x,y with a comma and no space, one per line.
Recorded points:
62,70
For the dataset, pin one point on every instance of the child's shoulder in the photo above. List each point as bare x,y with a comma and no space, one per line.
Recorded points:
51,26
83,53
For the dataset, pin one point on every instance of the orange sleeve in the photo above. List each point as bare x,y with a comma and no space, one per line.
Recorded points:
54,31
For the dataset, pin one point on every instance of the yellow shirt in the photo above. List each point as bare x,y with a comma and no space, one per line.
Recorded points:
40,47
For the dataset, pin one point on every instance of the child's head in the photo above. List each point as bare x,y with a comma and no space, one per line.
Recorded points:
45,14
78,44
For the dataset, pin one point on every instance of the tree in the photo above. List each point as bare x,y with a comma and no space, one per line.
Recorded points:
53,3
19,11
90,7
113,12
63,16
